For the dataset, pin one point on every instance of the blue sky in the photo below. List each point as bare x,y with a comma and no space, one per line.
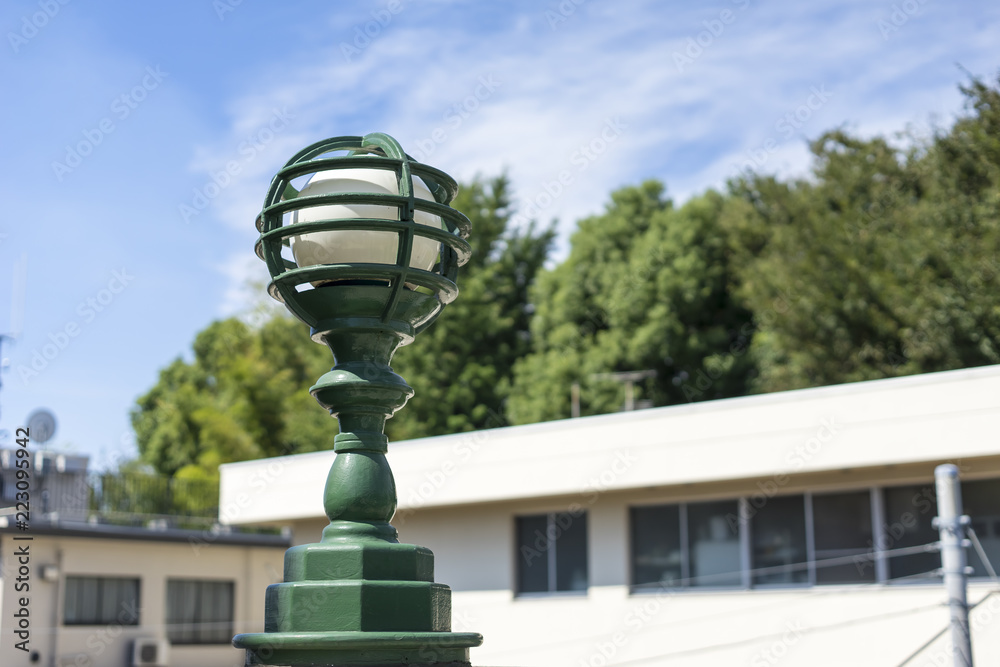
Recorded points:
139,138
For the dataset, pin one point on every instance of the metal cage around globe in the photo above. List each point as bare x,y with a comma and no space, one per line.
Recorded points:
342,228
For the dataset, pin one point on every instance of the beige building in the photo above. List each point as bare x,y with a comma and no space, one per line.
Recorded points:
791,528
83,593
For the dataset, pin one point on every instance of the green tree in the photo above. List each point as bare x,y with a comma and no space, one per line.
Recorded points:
244,396
461,367
645,287
882,264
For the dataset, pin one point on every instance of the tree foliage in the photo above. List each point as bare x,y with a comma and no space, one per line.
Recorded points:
461,367
645,287
244,396
882,264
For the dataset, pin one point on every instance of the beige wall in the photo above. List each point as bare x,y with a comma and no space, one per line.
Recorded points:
251,568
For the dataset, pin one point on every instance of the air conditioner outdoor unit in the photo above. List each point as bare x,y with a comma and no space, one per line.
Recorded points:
150,652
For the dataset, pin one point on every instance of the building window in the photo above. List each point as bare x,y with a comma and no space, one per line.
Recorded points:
199,611
552,552
694,544
981,501
101,601
909,511
778,538
842,525
656,546
714,543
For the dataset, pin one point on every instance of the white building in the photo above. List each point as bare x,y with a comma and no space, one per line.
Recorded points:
783,528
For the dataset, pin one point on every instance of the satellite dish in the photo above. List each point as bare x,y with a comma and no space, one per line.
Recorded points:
41,425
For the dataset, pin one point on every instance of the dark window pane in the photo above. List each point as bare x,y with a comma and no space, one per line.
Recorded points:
656,545
843,529
714,543
908,514
199,611
571,552
215,619
981,501
101,601
533,545
778,530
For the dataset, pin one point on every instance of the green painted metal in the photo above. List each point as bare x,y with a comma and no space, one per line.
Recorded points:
359,597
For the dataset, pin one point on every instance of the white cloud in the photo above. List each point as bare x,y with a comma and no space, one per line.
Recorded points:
553,91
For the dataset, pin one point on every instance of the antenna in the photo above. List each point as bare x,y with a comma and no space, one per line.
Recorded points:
16,309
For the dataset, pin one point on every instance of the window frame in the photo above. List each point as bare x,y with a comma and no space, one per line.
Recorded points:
685,545
551,556
172,627
118,618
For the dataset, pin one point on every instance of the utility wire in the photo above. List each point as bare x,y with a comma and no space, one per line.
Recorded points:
813,591
982,554
753,640
866,557
939,633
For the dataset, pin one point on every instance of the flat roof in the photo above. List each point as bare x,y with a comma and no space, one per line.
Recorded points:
112,532
936,416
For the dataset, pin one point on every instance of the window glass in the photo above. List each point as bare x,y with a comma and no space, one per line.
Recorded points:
981,501
842,524
101,601
909,511
552,552
532,557
199,611
778,536
656,546
714,543
571,552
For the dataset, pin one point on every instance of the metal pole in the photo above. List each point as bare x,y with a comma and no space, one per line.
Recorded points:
950,523
575,400
629,378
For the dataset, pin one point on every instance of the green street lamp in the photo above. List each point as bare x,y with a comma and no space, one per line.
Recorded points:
362,246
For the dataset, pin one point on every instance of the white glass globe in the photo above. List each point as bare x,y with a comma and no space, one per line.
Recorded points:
361,246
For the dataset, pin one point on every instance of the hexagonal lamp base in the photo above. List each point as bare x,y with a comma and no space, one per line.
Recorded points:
361,602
